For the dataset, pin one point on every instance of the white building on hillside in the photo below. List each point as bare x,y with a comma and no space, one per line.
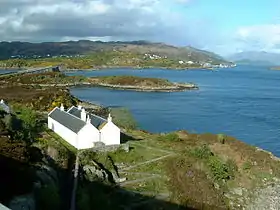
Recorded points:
81,129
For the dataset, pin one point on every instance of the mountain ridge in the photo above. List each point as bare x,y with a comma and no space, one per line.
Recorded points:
256,57
19,49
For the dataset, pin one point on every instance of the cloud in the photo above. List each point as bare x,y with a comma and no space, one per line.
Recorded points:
259,37
49,20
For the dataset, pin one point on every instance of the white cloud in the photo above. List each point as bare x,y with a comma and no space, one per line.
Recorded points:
50,20
262,37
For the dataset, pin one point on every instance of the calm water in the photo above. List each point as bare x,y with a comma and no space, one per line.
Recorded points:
242,102
3,71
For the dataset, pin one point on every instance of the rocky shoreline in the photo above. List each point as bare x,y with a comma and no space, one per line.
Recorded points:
176,87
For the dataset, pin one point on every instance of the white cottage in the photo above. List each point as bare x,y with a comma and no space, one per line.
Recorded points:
81,129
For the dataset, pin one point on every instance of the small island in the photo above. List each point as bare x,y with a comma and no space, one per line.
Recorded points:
123,82
275,68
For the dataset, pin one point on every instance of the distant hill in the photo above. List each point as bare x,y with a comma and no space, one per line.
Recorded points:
85,47
256,58
254,63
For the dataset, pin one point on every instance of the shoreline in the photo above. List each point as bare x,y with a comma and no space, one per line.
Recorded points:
117,67
177,87
136,68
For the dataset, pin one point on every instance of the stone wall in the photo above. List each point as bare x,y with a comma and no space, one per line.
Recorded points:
100,147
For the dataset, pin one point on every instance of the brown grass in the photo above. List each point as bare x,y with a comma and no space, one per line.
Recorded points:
191,186
42,99
132,80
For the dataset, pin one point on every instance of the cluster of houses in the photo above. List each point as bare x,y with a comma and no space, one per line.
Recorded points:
79,128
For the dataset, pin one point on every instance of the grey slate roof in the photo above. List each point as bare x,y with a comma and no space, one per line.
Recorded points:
69,121
96,121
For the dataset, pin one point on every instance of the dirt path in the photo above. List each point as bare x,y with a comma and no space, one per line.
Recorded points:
147,162
153,148
147,176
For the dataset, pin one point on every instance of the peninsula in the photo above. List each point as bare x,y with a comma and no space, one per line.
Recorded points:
124,82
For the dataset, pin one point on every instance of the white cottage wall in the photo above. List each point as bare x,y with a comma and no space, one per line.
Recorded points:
110,134
63,132
87,136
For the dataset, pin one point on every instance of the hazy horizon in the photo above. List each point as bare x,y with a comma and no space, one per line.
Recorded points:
220,27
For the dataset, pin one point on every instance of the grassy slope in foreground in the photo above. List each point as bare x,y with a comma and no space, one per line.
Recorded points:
202,171
116,82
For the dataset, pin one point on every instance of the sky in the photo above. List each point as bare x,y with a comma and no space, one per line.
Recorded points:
220,26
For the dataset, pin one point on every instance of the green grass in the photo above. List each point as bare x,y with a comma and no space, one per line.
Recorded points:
154,185
62,142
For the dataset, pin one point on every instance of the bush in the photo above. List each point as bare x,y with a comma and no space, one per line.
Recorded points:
247,166
221,170
221,138
123,118
170,137
24,125
203,152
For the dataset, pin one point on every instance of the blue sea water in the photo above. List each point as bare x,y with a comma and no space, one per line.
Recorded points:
4,71
242,102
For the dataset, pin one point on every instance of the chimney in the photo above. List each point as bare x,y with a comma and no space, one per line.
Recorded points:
83,115
79,107
61,107
88,120
109,118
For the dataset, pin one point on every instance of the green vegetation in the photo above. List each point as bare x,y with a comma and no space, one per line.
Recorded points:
53,79
133,80
88,55
220,170
172,137
23,125
96,61
202,152
221,138
191,170
45,78
123,118
40,99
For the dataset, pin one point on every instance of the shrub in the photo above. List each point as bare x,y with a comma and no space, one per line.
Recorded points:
247,166
232,168
202,152
221,170
221,138
170,137
123,118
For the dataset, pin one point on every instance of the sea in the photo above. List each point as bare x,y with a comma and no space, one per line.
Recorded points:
242,101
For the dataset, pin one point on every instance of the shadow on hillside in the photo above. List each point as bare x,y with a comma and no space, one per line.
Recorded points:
126,138
17,178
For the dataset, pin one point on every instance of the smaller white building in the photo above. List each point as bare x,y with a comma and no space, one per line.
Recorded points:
81,129
4,106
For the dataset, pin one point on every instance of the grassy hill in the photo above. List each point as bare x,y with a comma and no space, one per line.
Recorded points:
89,54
